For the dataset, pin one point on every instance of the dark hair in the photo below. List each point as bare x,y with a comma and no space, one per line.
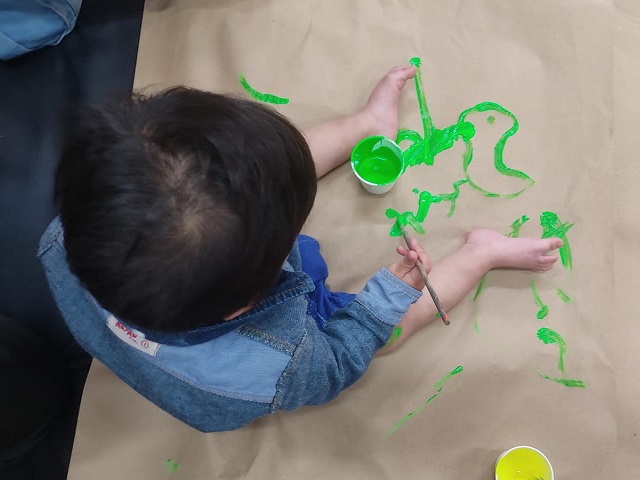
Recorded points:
181,207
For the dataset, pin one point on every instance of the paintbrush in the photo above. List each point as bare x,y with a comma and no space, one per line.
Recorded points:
427,283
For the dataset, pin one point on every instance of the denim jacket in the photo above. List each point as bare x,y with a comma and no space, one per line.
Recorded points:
221,377
26,25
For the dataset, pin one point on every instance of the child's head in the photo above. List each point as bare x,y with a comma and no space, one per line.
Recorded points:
180,208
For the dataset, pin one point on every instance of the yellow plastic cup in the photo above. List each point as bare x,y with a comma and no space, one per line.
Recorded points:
377,162
523,463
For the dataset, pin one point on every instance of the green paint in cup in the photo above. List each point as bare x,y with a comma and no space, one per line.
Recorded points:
377,162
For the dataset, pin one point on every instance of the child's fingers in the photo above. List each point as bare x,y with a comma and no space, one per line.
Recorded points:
421,253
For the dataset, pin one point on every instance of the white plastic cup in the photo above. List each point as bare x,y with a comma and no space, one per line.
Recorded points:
539,468
377,162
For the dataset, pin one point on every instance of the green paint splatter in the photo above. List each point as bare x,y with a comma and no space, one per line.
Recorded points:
566,382
424,148
172,465
548,336
397,331
262,97
491,119
415,190
552,226
563,296
425,200
514,230
544,309
438,386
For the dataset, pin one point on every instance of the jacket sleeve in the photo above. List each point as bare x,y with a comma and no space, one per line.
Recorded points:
330,360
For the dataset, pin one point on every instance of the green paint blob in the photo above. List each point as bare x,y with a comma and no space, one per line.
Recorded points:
262,97
172,466
514,230
397,331
552,226
563,296
544,309
438,386
548,336
566,382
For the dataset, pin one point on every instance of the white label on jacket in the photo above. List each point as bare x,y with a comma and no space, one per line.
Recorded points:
132,337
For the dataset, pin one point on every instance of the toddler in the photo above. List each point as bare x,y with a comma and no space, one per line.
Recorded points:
177,261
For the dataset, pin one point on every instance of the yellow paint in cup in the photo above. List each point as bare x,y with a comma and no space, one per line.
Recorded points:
523,463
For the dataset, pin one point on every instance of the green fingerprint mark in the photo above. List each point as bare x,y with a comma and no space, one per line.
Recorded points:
552,226
566,382
262,97
172,466
544,309
548,336
563,296
438,386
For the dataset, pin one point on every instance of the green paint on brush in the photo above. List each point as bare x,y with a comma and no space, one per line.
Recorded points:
514,230
262,97
172,466
544,309
566,382
552,226
438,386
548,336
563,296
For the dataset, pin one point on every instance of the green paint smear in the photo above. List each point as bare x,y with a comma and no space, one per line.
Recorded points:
172,466
424,148
563,296
425,200
397,331
566,382
548,336
438,386
481,284
514,230
263,97
552,226
491,119
544,309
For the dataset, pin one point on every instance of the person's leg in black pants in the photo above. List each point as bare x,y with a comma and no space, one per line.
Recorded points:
38,357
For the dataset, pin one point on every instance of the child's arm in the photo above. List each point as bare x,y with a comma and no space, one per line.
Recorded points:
330,360
331,142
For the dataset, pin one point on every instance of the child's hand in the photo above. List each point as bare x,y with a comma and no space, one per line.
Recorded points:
406,269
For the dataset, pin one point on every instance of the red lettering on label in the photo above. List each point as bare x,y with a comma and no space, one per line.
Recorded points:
132,336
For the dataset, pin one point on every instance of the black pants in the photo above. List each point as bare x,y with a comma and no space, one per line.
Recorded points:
42,368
